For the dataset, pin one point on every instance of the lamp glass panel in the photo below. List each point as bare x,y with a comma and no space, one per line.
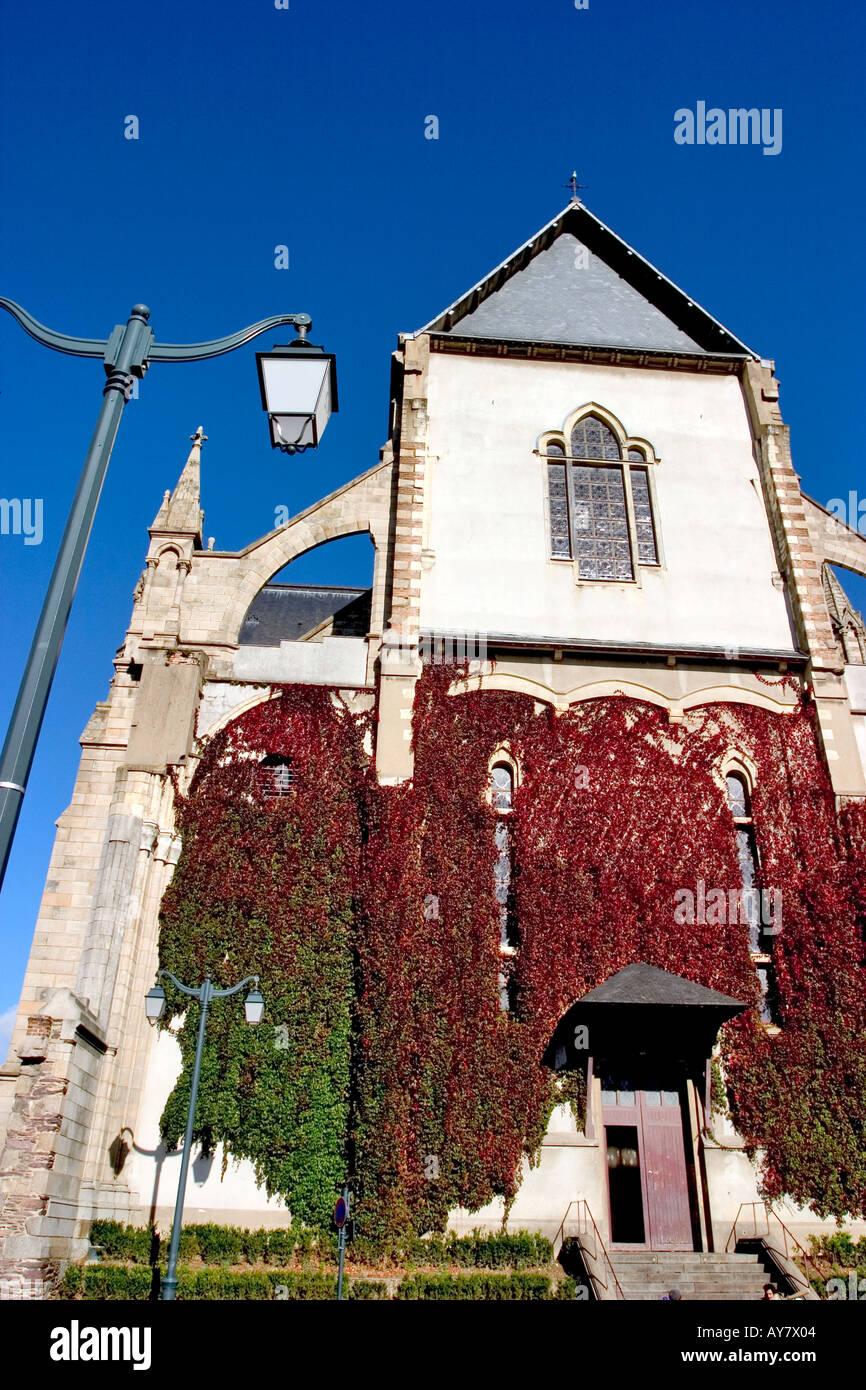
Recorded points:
292,429
154,1003
293,385
323,405
254,1007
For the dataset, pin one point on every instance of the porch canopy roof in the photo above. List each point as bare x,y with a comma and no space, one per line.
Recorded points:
641,1011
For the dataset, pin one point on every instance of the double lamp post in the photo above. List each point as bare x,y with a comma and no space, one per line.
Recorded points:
154,1003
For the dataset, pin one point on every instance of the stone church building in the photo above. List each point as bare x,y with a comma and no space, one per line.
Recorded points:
587,502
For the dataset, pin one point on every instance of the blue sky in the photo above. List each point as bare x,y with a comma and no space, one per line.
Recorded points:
261,127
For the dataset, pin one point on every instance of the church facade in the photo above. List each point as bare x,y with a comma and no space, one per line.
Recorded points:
546,847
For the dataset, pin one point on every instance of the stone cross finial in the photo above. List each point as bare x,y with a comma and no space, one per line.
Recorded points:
199,437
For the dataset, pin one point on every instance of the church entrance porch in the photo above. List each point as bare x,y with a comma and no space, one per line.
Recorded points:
643,1039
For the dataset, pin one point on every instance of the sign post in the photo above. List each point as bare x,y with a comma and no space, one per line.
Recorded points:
341,1217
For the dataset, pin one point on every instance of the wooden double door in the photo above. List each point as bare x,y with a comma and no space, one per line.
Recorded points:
649,1186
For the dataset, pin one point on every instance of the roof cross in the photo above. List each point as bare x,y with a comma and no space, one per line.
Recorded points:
574,185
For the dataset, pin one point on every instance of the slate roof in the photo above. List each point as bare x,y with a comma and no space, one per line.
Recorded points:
288,612
646,984
642,1009
577,283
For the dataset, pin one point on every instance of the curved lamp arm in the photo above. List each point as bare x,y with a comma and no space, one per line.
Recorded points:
198,352
156,352
214,993
223,993
60,342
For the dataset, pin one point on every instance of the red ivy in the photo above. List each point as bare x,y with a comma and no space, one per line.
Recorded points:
616,810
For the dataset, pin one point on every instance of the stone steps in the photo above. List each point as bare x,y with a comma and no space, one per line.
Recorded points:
699,1275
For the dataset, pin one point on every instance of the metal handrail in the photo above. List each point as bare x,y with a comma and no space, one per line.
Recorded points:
738,1234
584,1221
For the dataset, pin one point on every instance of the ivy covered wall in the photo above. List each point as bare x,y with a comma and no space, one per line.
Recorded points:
268,886
371,916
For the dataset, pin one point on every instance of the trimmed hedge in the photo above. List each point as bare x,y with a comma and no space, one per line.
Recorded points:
479,1250
215,1245
232,1245
490,1287
108,1283
113,1282
838,1249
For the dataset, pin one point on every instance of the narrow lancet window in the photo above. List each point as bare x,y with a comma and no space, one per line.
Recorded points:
755,903
501,791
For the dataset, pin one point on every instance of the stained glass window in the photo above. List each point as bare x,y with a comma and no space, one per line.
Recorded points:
601,540
589,519
647,553
591,438
557,484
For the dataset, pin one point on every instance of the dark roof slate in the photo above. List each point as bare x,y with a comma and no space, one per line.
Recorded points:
556,299
646,984
287,612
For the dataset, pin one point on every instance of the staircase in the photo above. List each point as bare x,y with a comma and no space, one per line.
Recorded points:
647,1275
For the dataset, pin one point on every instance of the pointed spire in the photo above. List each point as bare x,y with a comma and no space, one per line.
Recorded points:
181,510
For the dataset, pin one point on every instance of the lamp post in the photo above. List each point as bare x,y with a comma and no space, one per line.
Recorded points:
299,394
154,1004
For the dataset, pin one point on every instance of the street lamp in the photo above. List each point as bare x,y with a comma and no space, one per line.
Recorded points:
254,1007
127,354
154,1004
299,392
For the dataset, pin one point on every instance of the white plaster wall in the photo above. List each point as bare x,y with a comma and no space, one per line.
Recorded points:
855,679
220,699
487,508
210,1197
333,661
859,723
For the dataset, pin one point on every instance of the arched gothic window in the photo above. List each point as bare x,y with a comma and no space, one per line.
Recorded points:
601,512
275,775
591,438
501,787
739,801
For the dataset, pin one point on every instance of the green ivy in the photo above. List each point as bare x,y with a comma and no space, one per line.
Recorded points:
266,887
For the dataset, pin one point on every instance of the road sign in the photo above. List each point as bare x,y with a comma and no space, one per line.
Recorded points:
341,1211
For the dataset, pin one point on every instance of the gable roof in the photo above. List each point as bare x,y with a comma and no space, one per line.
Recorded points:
646,984
577,283
639,1010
